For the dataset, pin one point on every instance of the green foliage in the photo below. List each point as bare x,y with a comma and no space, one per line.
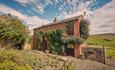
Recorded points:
54,40
12,30
110,53
12,60
41,36
73,40
84,29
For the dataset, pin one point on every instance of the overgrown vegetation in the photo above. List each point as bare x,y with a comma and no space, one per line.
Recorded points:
13,31
84,29
36,60
28,60
55,40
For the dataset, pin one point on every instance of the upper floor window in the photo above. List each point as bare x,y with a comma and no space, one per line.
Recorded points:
69,27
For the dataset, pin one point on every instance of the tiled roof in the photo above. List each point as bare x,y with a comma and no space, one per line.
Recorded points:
58,22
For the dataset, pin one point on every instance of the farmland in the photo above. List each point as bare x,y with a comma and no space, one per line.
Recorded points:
104,40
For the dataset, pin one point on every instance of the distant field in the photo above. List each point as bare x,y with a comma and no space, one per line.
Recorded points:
107,40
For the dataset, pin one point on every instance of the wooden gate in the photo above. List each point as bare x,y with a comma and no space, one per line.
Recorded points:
70,52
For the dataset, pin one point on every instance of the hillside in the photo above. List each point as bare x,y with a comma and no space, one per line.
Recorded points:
104,40
107,40
36,60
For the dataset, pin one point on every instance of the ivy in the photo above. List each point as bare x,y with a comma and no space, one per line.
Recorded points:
54,40
73,40
84,29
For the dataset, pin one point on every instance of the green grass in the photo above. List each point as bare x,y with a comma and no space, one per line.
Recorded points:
104,41
110,53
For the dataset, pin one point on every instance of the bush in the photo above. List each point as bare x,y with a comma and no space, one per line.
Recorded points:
13,31
84,29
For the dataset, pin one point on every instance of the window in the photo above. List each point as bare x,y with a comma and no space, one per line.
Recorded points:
69,27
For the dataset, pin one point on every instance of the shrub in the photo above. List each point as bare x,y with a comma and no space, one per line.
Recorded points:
13,31
84,29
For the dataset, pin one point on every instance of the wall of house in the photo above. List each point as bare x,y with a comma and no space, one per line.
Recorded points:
57,26
45,29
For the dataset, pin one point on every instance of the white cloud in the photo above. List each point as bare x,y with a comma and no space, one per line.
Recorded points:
31,21
35,21
103,19
36,4
23,1
76,7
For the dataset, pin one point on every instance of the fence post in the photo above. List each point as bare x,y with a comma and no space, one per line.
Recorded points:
104,53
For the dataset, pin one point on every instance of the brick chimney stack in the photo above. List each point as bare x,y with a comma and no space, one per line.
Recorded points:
55,19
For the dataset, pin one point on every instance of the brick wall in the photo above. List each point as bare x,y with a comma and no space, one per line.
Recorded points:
76,28
55,26
45,29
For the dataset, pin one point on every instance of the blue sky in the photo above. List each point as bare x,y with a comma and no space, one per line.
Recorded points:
37,12
48,9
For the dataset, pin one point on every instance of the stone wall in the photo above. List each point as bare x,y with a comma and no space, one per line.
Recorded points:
94,53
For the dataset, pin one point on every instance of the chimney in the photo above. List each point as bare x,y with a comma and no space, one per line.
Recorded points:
84,13
55,19
9,14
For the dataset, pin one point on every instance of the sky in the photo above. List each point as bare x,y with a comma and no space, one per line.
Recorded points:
35,13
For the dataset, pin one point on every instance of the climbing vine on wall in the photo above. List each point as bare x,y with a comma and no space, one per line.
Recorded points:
84,29
55,40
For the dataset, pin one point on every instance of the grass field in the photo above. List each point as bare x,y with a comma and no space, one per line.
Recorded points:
110,53
107,41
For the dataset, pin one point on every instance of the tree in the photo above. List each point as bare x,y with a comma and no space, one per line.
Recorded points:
84,29
12,30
